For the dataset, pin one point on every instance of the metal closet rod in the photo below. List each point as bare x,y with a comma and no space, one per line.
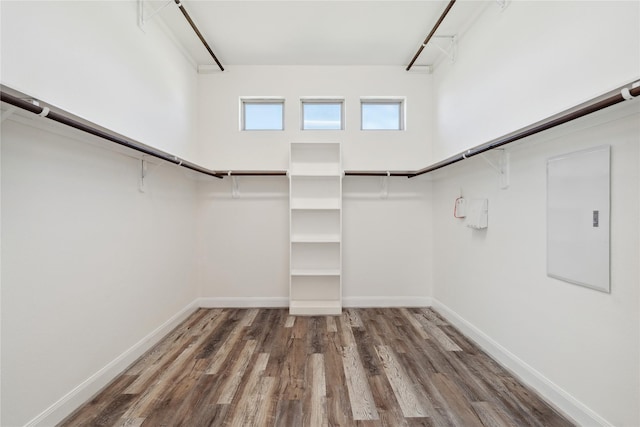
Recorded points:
254,173
198,33
596,104
57,117
378,173
433,31
612,98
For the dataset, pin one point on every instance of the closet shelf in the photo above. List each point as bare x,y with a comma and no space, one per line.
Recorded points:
315,272
315,238
315,307
313,204
315,173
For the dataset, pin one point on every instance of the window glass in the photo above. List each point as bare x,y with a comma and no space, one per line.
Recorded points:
322,115
263,115
382,115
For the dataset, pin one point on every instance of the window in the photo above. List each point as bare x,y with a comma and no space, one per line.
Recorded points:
262,114
322,114
382,114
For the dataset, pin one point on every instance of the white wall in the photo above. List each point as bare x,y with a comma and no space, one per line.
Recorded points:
91,59
92,269
244,242
90,265
388,242
224,146
584,342
530,61
515,67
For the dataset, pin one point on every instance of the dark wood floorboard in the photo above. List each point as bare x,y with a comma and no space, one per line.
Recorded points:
368,367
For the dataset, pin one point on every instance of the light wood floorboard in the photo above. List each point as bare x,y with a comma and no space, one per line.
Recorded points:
367,367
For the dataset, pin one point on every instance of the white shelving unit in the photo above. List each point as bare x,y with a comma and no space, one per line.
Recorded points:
315,202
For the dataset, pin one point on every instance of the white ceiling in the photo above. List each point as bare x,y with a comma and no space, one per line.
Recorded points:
315,32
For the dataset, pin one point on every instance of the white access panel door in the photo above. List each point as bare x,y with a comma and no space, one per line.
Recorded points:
578,217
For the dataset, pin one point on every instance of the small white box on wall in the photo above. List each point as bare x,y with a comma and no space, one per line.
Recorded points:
477,213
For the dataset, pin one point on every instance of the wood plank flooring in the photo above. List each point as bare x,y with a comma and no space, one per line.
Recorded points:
367,367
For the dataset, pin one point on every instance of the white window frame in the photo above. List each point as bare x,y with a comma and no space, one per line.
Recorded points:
322,100
259,100
402,120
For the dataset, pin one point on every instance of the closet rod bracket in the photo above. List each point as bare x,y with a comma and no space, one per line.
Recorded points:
626,92
384,186
145,172
502,167
142,19
451,49
503,4
235,189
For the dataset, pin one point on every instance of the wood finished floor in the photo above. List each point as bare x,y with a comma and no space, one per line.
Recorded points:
368,367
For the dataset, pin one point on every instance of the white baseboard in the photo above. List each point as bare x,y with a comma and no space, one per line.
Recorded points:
555,395
355,302
96,382
282,302
243,302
